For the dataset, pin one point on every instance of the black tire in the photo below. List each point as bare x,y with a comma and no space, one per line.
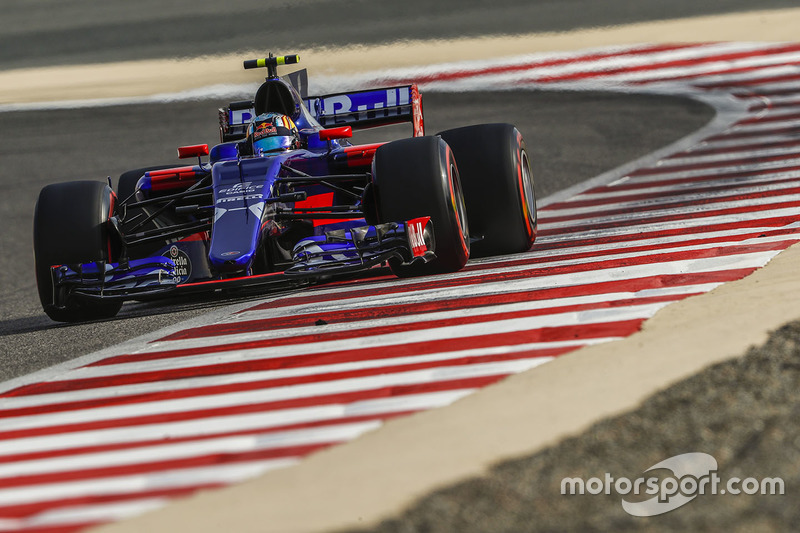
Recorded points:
70,226
498,187
418,177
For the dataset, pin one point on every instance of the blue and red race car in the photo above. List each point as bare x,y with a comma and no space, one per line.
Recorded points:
286,197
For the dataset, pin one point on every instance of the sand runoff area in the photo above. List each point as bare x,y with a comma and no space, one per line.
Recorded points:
142,78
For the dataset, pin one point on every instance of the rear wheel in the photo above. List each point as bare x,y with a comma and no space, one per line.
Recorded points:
498,187
418,177
70,226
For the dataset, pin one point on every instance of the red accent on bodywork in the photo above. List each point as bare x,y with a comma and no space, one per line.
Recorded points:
416,112
361,156
230,280
317,200
335,133
172,178
200,236
320,200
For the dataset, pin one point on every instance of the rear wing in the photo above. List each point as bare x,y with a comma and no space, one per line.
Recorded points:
359,109
370,108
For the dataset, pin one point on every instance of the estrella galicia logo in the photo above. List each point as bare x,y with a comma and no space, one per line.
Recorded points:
183,266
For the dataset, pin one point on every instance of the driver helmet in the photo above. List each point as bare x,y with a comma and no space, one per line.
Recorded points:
272,132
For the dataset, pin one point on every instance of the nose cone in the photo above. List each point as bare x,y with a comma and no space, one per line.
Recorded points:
241,190
232,261
236,234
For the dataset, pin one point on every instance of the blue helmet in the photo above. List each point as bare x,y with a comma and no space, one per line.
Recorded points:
272,132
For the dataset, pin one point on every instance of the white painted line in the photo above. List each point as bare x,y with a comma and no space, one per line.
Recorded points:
167,451
678,198
167,479
79,515
215,425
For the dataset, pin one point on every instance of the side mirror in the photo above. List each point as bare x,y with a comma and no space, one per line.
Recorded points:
343,132
196,150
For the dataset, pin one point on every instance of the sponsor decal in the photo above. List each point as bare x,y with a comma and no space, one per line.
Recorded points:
415,229
264,129
246,187
183,266
346,108
239,198
231,253
240,116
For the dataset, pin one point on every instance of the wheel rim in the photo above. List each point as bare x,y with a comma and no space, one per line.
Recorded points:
460,206
527,188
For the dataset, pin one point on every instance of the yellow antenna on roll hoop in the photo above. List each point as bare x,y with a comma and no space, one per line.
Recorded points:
271,63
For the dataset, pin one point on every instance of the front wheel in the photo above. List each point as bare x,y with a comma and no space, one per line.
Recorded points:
418,177
498,187
70,226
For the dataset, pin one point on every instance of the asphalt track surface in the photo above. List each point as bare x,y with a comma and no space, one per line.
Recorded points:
572,136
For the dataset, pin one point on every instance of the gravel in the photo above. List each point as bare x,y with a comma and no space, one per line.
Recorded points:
742,412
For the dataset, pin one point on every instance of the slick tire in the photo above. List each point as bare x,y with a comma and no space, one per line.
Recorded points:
498,187
70,226
418,177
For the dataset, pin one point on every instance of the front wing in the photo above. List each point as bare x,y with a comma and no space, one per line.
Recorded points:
336,252
344,251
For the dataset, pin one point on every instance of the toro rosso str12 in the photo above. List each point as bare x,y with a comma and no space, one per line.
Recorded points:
286,197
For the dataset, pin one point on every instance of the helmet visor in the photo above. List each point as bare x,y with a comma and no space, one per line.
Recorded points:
272,143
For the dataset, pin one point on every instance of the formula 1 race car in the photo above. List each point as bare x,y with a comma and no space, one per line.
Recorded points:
286,198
